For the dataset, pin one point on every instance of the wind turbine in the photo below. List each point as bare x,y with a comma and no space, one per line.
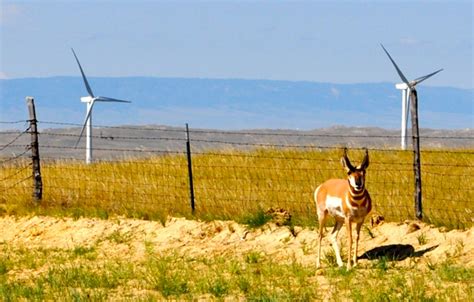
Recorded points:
90,101
406,87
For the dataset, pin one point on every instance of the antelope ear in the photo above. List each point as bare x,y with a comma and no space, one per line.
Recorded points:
346,163
365,162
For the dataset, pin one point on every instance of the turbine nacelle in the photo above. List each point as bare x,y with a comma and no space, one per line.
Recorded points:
401,86
87,99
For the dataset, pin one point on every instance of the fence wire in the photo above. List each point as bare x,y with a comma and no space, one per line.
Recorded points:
15,166
142,172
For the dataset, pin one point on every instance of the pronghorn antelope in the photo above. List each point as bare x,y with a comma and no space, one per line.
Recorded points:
347,201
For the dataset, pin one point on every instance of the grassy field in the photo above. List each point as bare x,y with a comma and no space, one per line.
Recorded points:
84,274
230,184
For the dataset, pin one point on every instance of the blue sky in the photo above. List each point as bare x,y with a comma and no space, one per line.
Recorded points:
320,41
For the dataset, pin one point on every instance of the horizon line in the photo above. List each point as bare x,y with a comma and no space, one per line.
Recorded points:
221,79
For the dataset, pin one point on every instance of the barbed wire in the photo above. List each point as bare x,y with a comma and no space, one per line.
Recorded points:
3,147
443,174
245,132
14,122
17,156
235,172
115,149
245,144
243,154
110,137
316,135
9,132
5,189
19,171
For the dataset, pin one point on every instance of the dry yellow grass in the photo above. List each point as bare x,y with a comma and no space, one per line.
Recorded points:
233,184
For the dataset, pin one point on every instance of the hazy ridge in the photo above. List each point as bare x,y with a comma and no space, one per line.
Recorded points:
234,103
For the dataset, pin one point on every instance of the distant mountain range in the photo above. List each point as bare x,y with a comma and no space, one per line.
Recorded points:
233,103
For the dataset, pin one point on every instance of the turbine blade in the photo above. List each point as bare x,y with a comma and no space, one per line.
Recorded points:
89,112
421,79
89,90
404,79
106,99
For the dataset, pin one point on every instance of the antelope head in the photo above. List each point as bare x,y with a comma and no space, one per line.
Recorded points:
356,175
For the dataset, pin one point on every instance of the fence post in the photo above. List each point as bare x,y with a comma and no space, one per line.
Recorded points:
190,169
416,152
37,182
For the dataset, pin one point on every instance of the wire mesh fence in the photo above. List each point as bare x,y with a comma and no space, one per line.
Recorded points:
143,172
15,163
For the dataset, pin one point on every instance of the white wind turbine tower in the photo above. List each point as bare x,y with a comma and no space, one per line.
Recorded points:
405,87
90,101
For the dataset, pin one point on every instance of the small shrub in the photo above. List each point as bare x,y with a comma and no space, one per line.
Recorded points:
329,258
81,250
3,267
78,213
257,219
253,257
164,277
382,264
118,237
219,286
422,240
102,214
244,284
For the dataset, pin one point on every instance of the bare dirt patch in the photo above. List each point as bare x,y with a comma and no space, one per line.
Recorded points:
129,238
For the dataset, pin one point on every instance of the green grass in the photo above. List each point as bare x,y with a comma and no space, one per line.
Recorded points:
253,276
256,219
118,237
85,252
450,271
240,185
422,240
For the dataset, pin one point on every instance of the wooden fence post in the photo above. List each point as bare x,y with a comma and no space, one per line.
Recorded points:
190,169
37,182
416,152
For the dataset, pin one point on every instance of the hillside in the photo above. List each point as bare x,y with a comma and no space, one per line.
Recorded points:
233,103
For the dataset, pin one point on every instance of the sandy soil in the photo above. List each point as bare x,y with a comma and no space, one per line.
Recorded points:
196,238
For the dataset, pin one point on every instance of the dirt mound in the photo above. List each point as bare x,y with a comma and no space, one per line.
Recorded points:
120,237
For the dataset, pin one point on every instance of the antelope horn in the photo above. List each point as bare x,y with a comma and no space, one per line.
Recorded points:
346,162
365,161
